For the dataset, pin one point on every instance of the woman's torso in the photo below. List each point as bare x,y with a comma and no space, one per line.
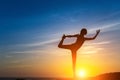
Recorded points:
79,41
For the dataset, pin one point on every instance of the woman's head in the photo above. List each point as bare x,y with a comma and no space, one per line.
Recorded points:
83,31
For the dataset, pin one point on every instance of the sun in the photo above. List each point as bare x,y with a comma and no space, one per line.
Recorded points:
81,73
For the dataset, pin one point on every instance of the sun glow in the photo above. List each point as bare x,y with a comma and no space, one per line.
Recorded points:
81,73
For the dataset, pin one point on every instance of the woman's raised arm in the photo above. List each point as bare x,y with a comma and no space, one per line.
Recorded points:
97,32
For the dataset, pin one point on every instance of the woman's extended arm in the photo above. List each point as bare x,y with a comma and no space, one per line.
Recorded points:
97,32
72,35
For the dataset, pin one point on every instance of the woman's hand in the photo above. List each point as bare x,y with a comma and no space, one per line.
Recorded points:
63,36
98,31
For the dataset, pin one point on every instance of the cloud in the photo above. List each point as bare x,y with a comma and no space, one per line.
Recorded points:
8,56
101,43
107,27
110,16
103,28
39,43
93,48
29,52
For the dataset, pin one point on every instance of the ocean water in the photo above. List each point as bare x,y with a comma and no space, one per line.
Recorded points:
35,79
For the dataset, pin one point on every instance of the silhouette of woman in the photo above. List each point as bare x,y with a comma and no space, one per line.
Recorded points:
75,46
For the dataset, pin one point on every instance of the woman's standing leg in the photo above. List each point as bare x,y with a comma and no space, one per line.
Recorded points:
74,54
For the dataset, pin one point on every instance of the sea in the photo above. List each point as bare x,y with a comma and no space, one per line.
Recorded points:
36,79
